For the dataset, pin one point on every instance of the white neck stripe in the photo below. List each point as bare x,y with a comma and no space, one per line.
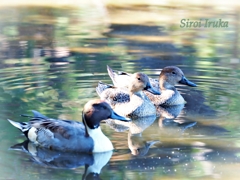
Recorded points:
101,143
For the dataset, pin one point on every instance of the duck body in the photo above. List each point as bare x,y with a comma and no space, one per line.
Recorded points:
131,101
66,135
169,77
56,134
138,105
168,97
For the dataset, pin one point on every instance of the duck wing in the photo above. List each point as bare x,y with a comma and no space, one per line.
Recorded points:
63,135
38,114
61,128
112,94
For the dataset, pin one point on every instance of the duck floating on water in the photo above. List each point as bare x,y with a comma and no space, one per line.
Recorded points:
130,101
72,136
169,77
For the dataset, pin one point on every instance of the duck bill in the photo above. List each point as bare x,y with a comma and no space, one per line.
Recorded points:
185,81
116,116
150,89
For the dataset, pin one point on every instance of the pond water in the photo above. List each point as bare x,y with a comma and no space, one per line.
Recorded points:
52,57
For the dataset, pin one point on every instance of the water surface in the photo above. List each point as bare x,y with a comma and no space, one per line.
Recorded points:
53,57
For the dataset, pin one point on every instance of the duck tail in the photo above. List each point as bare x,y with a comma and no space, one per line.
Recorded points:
22,126
112,74
101,87
119,78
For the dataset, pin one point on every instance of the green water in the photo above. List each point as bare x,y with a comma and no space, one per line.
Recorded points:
51,59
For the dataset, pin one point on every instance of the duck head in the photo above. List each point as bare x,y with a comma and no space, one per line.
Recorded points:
97,110
139,82
171,75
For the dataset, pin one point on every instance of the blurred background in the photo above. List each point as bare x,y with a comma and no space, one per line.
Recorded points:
53,53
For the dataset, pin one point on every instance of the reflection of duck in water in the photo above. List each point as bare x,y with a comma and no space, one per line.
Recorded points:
136,142
138,145
171,121
167,116
169,112
136,126
65,160
65,135
130,101
206,129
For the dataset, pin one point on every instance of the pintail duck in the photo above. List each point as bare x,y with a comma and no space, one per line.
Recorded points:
169,77
130,101
71,136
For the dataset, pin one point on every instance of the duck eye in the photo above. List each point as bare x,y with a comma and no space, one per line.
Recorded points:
173,72
139,79
114,99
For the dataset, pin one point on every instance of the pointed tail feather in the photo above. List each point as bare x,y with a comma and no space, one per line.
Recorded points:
23,126
16,124
111,74
101,87
119,78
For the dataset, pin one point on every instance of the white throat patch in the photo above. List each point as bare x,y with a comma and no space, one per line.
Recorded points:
101,142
